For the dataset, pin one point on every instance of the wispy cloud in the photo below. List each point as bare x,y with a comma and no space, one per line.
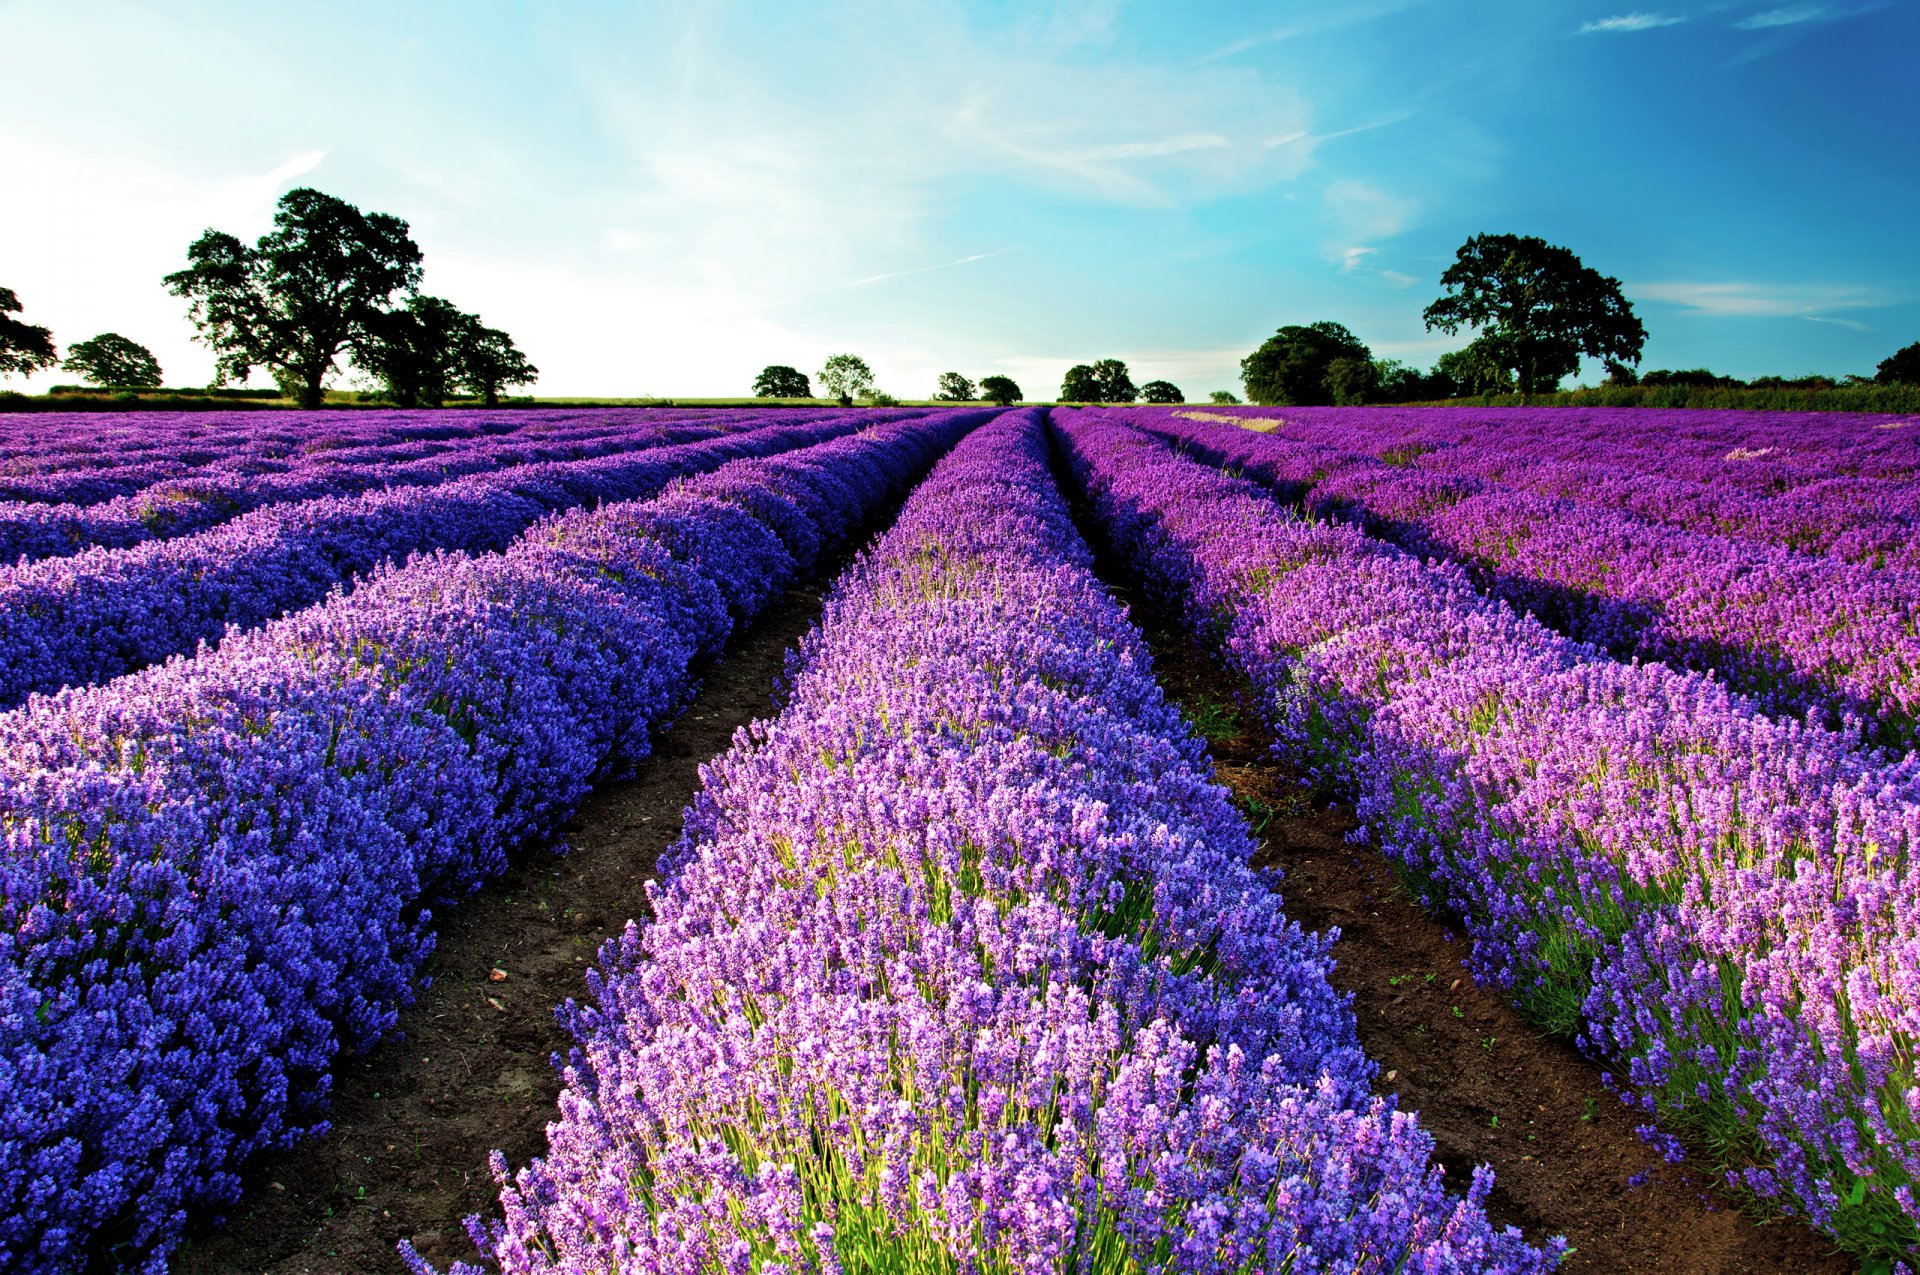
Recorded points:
1339,16
1630,22
1765,300
1791,15
944,265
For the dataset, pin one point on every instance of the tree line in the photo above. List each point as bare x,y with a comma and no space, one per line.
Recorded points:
1535,309
327,281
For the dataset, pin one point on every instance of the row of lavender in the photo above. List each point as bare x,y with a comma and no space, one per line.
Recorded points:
81,620
217,873
961,966
1721,902
1844,488
1804,636
182,506
86,457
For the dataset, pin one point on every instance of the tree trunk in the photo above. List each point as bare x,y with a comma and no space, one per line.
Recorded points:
311,395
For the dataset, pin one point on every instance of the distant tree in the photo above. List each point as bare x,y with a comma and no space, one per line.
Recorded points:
1397,382
1619,373
415,352
486,361
1225,398
1115,385
1480,368
777,380
1292,365
954,388
300,296
999,389
1162,392
1352,381
846,376
1080,385
874,396
24,347
1698,378
111,359
1539,304
1902,367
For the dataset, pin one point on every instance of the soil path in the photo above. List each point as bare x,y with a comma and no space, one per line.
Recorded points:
414,1121
1487,1086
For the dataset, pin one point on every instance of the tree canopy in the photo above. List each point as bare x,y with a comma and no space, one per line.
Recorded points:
1539,308
1902,367
954,388
427,352
306,291
846,377
1162,392
1106,381
777,380
24,347
487,361
1479,369
1292,365
1000,389
1225,398
111,359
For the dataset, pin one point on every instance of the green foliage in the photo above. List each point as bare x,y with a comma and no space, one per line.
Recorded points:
1538,306
1902,367
1226,398
1000,389
1481,368
954,388
111,359
295,300
24,347
487,361
1104,382
430,350
845,377
1352,381
1292,365
1162,392
875,397
1397,382
777,380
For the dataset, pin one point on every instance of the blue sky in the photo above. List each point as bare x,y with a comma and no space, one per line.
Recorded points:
662,198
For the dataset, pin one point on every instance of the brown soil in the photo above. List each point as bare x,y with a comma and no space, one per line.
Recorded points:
414,1121
1487,1086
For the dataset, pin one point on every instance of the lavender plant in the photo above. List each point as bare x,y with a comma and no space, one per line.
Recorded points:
1720,902
221,871
960,967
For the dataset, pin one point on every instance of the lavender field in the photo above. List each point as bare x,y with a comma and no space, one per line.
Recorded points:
961,959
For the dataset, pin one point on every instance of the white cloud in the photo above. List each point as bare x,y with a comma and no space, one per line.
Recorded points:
1762,300
1353,256
1791,15
1630,22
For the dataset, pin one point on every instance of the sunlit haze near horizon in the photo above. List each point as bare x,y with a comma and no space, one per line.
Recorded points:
661,199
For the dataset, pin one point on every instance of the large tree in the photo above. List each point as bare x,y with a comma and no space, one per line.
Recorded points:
777,380
24,347
954,388
1162,392
1292,365
1902,367
1540,307
1003,390
296,299
414,351
1106,381
846,377
487,361
111,359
